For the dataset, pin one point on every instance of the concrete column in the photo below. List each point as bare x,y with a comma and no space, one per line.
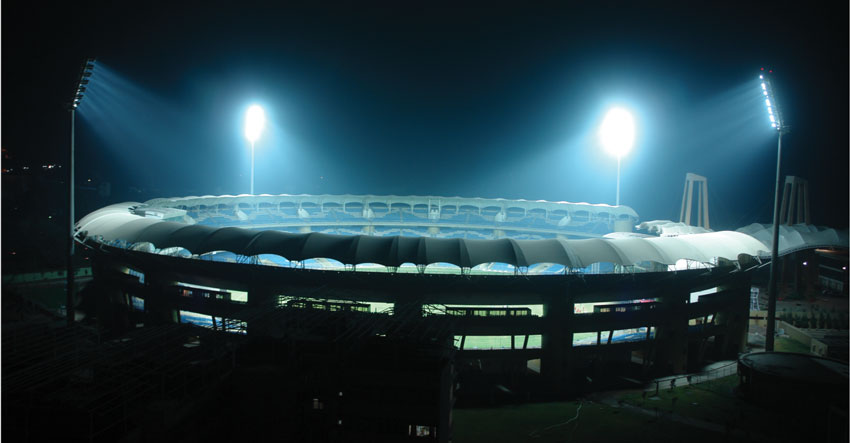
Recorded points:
112,304
557,341
259,298
410,308
671,337
160,303
447,381
735,321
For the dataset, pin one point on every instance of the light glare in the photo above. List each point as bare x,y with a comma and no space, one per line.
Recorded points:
255,120
763,86
617,132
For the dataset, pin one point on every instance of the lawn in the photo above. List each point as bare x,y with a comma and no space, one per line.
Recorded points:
714,401
786,344
705,406
550,422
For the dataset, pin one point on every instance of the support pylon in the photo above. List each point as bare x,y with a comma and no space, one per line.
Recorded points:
691,181
795,202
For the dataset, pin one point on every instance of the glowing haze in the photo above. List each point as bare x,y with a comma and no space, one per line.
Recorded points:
441,100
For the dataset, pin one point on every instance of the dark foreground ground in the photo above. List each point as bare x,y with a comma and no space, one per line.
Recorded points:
706,412
711,411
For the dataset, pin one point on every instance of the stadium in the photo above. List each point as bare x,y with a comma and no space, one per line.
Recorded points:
561,288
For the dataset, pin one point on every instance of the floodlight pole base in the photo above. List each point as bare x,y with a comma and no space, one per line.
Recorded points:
618,181
252,167
774,258
69,278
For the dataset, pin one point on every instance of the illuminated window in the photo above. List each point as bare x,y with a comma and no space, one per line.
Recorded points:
239,296
136,273
137,303
421,431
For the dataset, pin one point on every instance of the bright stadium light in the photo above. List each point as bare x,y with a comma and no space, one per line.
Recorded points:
255,120
617,135
777,123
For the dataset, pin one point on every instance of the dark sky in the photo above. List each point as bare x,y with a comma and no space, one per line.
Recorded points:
460,98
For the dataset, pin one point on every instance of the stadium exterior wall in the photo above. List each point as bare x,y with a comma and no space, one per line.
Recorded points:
674,346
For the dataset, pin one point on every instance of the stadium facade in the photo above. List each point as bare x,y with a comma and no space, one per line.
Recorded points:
498,280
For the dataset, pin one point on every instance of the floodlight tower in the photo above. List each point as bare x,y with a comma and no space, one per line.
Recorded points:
778,124
617,135
85,73
255,120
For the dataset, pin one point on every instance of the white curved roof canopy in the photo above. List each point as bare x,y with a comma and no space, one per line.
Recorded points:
118,223
797,237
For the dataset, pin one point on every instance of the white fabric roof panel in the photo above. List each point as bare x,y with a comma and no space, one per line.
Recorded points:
116,222
636,250
546,251
595,250
796,237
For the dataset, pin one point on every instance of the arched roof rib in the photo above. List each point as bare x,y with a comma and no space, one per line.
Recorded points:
111,224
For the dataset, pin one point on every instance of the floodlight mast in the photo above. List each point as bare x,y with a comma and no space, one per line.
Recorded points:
77,98
777,123
255,120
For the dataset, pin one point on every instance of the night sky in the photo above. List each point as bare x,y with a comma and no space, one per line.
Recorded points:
424,98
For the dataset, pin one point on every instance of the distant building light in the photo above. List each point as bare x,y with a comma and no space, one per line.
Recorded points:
805,263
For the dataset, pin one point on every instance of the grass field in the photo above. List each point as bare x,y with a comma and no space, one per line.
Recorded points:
707,412
550,422
713,401
785,344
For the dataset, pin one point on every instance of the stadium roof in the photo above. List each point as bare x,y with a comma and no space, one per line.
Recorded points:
797,237
118,223
211,200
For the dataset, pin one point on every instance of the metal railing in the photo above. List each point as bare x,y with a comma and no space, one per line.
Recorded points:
723,369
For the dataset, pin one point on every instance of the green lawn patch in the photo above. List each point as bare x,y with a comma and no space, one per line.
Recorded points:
787,344
547,422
